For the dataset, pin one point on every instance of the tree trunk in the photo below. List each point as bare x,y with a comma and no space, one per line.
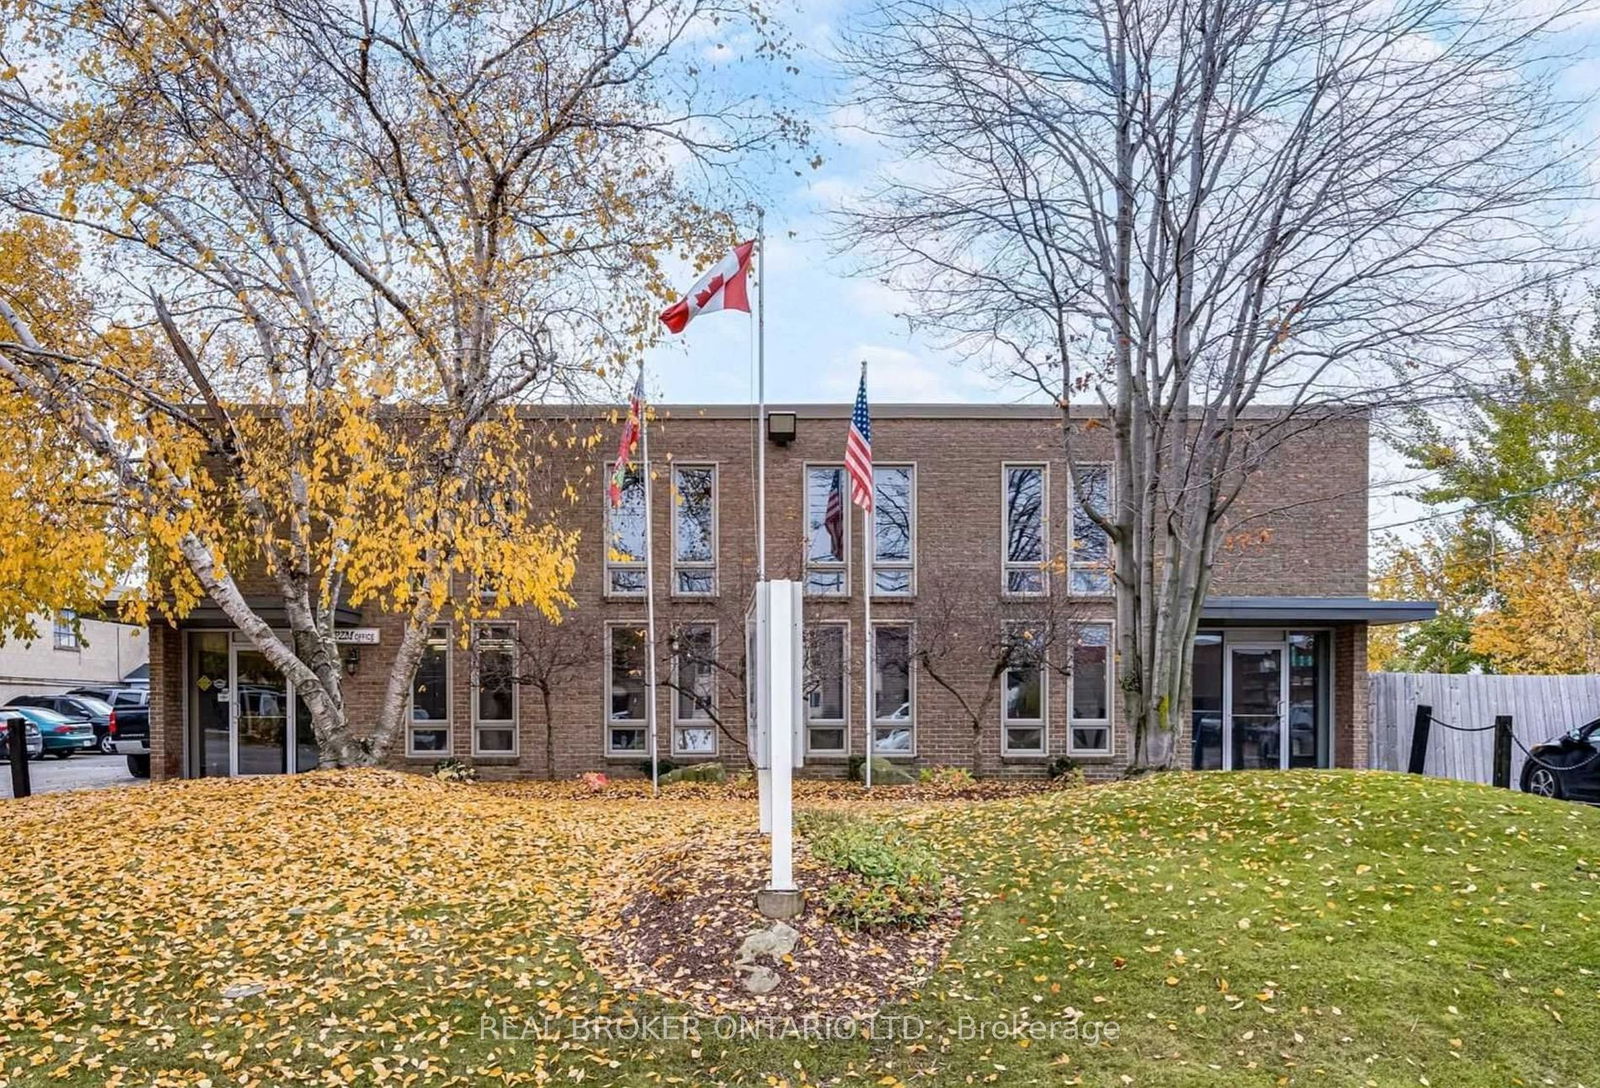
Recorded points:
549,733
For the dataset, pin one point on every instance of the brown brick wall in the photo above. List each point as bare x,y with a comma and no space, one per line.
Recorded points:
1299,529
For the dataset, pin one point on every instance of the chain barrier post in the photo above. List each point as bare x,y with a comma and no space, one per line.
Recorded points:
1419,739
21,783
1502,752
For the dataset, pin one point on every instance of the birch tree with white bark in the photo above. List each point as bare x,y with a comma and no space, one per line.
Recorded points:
1220,222
321,253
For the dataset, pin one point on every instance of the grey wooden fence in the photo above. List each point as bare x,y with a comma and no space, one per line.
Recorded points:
1540,707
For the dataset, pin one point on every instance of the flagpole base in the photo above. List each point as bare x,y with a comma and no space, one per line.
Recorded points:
781,904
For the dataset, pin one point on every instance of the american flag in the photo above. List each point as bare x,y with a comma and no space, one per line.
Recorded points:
627,440
858,448
833,516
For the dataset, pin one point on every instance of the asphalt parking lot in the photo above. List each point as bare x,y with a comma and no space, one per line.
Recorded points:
81,772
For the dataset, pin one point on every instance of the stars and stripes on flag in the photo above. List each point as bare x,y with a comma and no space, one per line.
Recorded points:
858,448
724,287
627,441
833,516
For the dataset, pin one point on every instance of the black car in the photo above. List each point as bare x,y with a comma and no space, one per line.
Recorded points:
1568,766
79,707
132,707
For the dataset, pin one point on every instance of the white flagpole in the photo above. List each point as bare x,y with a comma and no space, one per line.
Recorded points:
866,596
761,394
649,598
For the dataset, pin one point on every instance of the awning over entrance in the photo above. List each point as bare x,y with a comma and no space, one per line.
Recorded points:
268,608
1267,611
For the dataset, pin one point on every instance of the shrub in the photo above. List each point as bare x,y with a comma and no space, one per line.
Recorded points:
594,780
884,773
886,879
1062,766
663,767
453,770
945,776
696,772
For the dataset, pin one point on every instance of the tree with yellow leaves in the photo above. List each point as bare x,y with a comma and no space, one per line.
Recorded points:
306,260
1516,570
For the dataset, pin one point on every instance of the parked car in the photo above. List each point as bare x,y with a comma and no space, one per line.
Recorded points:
120,696
10,719
1568,766
132,707
96,711
63,736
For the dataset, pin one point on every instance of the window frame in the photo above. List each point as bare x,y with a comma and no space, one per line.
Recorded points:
1074,565
843,723
845,567
480,724
1109,721
909,565
697,565
1043,720
1007,564
64,635
909,626
609,665
449,691
707,722
610,565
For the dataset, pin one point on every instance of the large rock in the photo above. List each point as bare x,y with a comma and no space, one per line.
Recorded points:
774,942
696,772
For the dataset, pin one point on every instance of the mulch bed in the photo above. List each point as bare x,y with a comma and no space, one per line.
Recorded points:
676,919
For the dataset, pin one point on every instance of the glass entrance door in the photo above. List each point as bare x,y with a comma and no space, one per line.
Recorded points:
260,706
1256,699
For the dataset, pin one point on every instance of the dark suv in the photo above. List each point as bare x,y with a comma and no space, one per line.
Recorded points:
79,707
132,707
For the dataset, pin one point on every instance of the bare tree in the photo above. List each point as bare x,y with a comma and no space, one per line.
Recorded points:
968,641
329,248
702,659
548,656
1213,225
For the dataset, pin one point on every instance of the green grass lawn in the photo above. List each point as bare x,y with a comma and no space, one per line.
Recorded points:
1306,927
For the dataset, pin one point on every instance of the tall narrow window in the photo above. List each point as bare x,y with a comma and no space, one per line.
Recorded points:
1090,562
694,672
827,532
1025,530
1308,699
625,571
893,710
428,731
66,630
894,522
625,692
826,701
494,698
694,530
1090,732
1023,711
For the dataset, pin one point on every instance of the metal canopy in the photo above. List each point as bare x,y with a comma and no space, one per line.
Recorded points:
270,609
1285,610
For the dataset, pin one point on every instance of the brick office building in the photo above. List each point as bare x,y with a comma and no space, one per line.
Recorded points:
976,539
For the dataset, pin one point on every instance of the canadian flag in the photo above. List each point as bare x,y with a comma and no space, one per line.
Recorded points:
724,287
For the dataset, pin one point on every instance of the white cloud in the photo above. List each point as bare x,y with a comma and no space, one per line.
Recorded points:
896,375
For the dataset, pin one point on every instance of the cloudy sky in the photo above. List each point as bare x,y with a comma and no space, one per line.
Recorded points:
822,320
